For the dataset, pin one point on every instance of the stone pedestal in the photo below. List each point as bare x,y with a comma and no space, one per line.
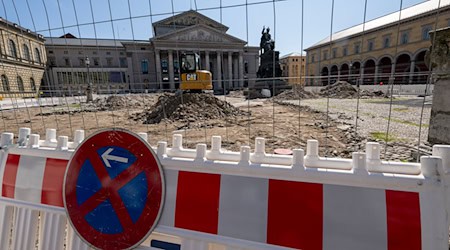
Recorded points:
439,58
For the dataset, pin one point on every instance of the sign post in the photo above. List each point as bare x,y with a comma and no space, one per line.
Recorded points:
114,190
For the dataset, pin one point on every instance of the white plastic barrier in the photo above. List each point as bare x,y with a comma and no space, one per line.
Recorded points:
217,199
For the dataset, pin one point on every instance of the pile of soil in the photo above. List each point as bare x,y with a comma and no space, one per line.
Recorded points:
189,107
297,92
253,94
115,102
340,89
343,89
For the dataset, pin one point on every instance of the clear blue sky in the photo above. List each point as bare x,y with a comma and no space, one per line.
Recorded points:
285,27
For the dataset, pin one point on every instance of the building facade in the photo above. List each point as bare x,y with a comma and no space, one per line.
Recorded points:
293,66
381,50
121,65
23,60
73,62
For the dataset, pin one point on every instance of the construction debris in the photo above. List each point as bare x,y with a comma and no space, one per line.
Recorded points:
189,107
343,89
114,102
295,93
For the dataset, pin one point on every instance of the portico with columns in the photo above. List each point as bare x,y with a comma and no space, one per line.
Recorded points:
222,54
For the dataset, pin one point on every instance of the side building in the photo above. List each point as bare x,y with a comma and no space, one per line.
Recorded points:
22,61
154,64
293,67
381,50
73,62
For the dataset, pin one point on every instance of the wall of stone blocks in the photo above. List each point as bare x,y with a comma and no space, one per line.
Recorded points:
26,73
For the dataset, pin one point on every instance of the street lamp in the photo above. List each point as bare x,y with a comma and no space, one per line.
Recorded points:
89,97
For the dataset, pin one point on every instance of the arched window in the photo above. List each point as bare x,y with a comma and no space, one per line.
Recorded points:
32,84
12,48
20,84
37,55
26,52
5,83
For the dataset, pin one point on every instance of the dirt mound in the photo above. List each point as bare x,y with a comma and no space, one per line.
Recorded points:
343,89
295,93
115,102
110,102
340,89
188,108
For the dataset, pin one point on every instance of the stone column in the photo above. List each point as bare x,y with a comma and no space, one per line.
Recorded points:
375,77
218,84
171,73
230,70
235,71
130,78
207,60
158,68
361,80
338,77
392,78
411,71
440,65
241,69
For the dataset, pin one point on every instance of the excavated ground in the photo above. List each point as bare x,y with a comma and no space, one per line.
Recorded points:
199,116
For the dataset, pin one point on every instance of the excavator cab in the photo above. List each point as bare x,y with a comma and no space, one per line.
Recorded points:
192,78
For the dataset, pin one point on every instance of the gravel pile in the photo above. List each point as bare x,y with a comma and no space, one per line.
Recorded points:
296,93
123,101
187,108
113,102
343,89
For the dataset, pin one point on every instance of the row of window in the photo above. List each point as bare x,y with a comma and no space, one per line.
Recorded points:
96,62
296,59
294,69
144,66
25,50
20,86
66,52
404,39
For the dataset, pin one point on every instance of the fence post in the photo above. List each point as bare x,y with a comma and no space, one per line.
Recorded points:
439,59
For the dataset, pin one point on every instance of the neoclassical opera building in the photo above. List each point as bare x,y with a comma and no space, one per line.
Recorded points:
154,63
380,49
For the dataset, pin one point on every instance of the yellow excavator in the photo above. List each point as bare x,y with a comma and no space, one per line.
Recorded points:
194,79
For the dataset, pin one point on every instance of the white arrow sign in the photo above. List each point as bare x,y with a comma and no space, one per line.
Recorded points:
107,157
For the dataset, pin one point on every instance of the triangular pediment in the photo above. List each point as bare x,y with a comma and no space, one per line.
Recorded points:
190,18
199,33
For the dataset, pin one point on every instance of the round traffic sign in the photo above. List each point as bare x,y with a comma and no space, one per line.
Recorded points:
113,190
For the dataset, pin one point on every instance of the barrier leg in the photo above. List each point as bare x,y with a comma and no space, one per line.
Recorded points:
25,228
6,213
51,231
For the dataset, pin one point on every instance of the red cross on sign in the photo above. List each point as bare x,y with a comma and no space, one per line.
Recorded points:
114,190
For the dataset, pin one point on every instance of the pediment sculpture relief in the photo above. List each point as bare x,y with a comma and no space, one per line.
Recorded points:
188,21
200,35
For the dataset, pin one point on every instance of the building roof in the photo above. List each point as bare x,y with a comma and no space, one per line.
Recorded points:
188,18
20,28
68,35
292,54
392,18
199,27
61,41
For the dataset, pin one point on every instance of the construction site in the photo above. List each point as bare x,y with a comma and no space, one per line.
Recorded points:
222,125
287,120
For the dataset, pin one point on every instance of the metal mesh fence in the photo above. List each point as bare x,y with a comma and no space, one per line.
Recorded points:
132,80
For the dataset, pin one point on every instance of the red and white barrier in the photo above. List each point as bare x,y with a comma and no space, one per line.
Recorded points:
244,200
